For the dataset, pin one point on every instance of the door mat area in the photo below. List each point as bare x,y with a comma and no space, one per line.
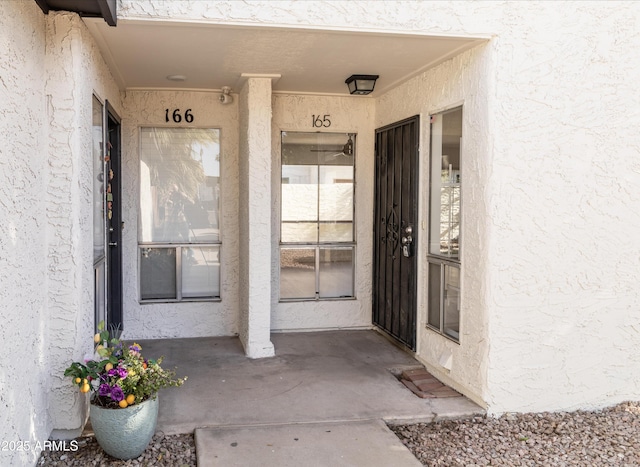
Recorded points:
423,384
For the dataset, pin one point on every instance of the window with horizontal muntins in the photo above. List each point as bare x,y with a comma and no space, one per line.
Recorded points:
317,244
179,229
445,214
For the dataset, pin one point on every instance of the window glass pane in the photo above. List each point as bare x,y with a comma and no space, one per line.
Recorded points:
336,272
200,272
299,193
434,295
449,220
336,200
446,136
305,232
297,273
452,302
299,203
157,273
334,232
179,185
301,148
317,188
98,181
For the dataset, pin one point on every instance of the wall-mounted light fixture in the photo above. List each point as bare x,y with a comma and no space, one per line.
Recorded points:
361,84
226,97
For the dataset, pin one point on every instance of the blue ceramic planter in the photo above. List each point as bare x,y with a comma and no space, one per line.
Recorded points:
125,433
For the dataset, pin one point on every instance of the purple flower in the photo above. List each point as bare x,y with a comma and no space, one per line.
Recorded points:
135,348
119,372
104,390
117,350
117,394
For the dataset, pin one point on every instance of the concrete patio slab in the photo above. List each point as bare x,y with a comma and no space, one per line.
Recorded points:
368,443
314,377
321,401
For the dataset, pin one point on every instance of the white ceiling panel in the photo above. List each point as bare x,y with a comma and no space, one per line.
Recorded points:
141,54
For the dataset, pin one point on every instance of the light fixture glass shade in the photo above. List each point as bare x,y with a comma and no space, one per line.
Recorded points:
361,84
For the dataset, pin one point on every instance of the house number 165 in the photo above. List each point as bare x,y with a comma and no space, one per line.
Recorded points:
318,121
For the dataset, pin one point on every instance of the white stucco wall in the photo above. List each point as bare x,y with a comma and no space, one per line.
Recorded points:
24,360
465,80
552,286
563,203
255,217
75,71
49,69
188,319
549,305
347,115
550,173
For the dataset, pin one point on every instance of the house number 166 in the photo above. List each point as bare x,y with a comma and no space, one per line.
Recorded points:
177,117
318,121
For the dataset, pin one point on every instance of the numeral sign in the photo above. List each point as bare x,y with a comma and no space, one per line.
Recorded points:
176,116
318,121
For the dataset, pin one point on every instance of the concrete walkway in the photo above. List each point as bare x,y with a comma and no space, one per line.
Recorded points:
320,401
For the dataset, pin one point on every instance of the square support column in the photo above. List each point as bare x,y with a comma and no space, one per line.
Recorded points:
255,217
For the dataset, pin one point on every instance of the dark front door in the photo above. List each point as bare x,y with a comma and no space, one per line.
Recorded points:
113,220
395,229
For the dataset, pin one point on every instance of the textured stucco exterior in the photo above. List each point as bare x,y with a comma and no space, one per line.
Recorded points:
563,209
348,115
75,72
550,174
50,71
465,80
24,376
547,181
194,319
255,217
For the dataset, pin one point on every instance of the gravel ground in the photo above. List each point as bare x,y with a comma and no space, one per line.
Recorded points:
174,451
602,438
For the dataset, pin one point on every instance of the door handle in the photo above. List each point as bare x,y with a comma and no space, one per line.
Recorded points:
113,243
407,242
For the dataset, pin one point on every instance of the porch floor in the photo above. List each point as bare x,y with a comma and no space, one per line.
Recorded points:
343,379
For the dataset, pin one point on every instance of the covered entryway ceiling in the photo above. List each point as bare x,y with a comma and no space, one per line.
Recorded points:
141,54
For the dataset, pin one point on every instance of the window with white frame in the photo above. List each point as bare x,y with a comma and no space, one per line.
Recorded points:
317,243
179,227
444,224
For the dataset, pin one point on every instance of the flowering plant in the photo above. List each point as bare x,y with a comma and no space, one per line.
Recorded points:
118,375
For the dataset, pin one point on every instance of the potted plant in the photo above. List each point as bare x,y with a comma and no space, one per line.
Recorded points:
123,387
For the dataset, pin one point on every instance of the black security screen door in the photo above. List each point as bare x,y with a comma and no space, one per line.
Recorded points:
395,229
